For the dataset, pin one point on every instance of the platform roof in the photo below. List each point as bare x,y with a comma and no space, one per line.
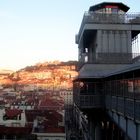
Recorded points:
89,71
122,6
100,71
129,68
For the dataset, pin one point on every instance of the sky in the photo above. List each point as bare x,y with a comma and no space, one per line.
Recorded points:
33,31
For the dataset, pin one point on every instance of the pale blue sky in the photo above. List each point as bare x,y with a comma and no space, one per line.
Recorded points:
33,31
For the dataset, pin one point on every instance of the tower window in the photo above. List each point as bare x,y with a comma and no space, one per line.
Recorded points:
111,9
114,10
108,10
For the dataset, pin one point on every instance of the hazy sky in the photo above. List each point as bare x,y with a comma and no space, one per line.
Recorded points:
34,31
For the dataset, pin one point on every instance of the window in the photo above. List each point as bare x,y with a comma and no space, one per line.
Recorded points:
130,86
114,10
108,10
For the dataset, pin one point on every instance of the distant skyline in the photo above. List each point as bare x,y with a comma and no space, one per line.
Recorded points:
33,31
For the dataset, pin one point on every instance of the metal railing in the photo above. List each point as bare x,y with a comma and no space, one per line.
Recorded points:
115,95
126,106
112,58
109,18
94,17
89,101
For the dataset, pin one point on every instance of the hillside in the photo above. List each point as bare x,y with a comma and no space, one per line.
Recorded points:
58,75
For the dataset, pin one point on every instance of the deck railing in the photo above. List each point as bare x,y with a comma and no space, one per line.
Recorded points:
109,18
89,101
125,106
94,17
112,58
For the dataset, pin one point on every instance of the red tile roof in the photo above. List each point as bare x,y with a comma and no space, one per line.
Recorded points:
50,103
48,120
11,113
51,116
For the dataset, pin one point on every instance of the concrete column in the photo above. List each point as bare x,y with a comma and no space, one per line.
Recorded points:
111,41
80,51
129,39
92,49
124,42
91,54
99,41
105,41
117,41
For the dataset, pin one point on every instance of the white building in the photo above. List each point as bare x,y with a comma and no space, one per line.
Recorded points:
12,118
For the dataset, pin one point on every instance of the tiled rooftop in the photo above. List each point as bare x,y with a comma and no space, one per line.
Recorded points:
11,113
